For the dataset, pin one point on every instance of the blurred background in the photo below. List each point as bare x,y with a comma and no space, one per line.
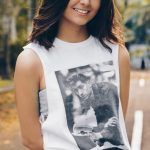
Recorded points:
15,24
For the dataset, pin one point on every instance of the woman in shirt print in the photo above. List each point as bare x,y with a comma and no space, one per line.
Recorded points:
72,21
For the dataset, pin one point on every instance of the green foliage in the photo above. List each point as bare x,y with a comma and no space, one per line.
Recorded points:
19,9
4,83
15,49
14,8
137,18
22,23
140,52
137,53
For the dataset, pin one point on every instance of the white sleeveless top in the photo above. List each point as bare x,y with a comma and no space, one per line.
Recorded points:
82,96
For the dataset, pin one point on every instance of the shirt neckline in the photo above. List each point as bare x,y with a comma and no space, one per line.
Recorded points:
60,43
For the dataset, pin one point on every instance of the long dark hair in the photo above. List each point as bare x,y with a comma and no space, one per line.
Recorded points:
104,26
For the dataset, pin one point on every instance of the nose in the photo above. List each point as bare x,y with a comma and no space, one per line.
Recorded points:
85,2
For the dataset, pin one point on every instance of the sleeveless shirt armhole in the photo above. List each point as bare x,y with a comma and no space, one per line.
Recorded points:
121,116
41,54
39,51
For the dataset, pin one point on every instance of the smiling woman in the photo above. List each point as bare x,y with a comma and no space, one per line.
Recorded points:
74,73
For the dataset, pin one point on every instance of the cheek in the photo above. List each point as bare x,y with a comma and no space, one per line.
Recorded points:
96,6
68,13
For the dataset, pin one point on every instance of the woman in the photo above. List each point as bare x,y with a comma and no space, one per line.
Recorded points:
72,79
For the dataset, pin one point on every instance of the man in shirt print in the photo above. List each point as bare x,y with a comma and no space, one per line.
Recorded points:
92,110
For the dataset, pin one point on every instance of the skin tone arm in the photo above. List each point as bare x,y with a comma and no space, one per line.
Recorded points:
124,70
26,78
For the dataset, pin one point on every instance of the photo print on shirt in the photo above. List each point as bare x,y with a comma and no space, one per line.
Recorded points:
91,103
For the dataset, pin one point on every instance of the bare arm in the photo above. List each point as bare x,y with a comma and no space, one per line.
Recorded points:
124,67
26,78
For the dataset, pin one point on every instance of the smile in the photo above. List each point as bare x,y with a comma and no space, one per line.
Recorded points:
81,11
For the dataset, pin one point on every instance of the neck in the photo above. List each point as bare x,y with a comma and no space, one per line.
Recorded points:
71,32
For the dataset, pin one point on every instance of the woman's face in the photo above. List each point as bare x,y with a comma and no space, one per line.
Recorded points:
80,12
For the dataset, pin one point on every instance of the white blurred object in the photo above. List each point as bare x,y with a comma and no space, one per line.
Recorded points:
142,82
137,131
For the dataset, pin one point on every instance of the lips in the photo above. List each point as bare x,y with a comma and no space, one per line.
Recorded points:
81,11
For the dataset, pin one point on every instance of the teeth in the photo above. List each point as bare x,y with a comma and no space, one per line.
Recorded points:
81,11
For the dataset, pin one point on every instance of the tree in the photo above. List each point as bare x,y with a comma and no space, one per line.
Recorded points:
9,11
31,12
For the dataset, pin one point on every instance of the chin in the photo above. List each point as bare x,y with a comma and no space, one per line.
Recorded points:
79,22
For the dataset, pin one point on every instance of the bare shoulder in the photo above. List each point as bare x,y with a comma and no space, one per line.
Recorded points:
27,69
28,63
27,59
